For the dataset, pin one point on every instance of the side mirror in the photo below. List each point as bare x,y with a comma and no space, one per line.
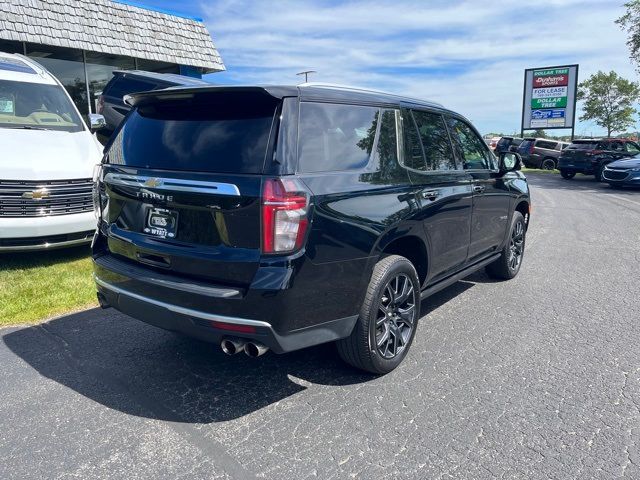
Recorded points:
96,122
509,162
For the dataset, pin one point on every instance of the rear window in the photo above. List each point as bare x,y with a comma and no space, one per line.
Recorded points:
504,141
525,144
226,132
122,86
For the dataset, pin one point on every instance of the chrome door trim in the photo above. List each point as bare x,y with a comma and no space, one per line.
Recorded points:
172,184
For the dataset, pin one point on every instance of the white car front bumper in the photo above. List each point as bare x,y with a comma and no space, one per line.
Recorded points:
37,233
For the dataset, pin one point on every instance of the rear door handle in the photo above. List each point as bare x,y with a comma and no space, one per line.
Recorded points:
478,188
431,194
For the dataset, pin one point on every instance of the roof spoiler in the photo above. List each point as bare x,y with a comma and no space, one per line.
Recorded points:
183,93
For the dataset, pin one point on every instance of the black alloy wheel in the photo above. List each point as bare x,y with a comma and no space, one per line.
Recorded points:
508,264
516,246
396,316
548,164
388,318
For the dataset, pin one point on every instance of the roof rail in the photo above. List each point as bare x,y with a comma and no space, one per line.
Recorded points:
364,90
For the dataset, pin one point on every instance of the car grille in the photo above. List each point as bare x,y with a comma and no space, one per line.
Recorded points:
609,174
20,198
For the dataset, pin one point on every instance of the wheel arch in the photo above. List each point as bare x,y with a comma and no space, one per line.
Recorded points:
524,207
413,248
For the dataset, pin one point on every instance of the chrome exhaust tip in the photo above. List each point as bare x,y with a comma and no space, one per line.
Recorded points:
231,346
253,349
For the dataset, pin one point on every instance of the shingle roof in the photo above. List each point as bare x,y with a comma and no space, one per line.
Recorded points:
109,27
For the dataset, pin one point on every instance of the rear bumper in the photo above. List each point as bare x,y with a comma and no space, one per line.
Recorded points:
281,319
586,168
213,328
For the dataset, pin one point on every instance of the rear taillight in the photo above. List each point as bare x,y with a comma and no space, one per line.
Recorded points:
100,107
531,149
594,152
285,208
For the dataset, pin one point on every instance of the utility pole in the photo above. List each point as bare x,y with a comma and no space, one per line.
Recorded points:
306,74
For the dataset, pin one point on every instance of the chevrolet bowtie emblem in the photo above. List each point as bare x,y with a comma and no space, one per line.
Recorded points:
37,194
153,182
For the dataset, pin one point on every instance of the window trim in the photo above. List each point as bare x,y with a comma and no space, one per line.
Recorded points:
474,130
458,169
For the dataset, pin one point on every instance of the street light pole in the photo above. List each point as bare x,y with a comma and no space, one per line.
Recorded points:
306,74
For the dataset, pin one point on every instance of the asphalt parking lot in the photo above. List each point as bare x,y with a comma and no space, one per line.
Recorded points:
534,378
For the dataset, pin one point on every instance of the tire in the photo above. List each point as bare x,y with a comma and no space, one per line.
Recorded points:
508,265
598,173
366,347
567,174
548,164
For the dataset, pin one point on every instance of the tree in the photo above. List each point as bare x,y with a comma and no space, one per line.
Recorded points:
539,133
608,100
630,22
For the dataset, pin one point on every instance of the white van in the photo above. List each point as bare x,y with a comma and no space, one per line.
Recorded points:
47,158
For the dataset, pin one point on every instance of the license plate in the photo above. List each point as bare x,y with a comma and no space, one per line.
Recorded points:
162,223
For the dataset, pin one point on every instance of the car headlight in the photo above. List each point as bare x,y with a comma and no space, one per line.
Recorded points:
97,176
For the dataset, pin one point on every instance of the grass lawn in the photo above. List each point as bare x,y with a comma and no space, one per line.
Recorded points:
38,285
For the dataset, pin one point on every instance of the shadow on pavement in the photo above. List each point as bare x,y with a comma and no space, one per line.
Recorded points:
140,370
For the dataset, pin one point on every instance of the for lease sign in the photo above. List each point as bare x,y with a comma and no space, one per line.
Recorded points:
550,92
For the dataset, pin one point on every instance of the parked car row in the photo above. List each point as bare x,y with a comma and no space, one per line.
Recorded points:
594,156
607,159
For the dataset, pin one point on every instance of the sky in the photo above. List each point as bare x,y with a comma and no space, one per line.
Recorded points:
468,55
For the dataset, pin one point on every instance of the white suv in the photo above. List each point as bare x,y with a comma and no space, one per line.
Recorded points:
47,158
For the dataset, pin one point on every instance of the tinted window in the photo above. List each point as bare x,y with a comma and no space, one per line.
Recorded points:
503,142
546,144
435,140
469,147
225,133
525,145
336,137
616,147
632,147
122,86
413,153
583,146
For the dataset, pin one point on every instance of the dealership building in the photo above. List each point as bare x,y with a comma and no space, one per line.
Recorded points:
83,41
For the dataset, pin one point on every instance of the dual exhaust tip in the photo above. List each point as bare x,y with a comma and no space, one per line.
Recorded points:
231,346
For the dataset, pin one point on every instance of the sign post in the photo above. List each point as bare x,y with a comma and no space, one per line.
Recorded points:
549,98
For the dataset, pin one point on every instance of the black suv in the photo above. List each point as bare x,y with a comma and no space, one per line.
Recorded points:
540,152
284,217
590,156
508,144
111,104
